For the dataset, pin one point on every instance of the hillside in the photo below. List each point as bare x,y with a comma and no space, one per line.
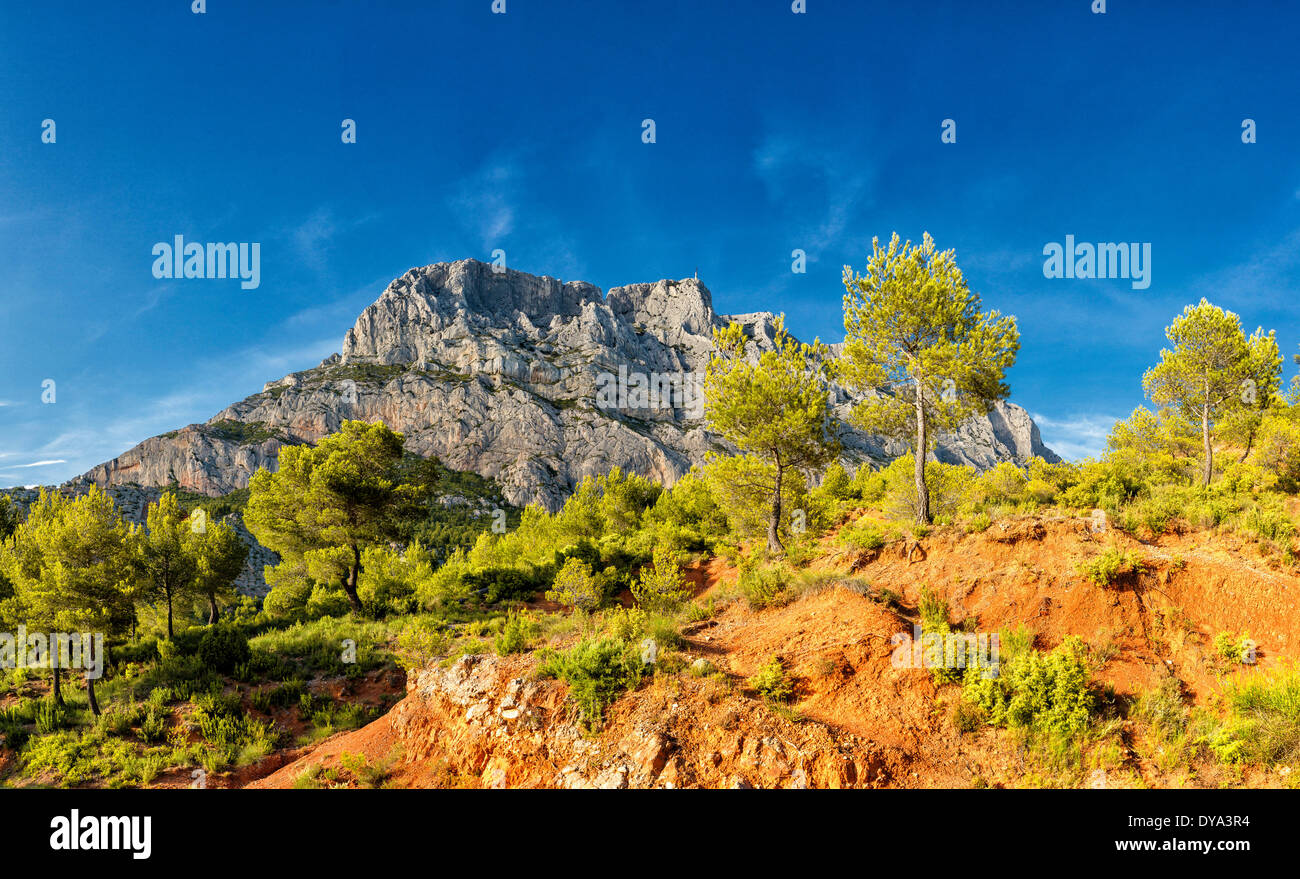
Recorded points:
501,374
854,720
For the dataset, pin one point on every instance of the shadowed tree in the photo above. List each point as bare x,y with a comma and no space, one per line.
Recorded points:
162,555
1213,372
326,504
914,332
70,567
774,406
219,555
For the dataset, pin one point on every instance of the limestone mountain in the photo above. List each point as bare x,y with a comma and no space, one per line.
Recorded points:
529,380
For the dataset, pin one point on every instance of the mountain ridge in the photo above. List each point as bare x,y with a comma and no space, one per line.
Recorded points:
497,372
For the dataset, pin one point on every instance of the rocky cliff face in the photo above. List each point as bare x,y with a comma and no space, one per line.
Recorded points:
533,381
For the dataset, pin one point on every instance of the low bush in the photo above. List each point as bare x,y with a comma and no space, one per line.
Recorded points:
1110,565
1041,692
1264,727
597,671
223,647
771,681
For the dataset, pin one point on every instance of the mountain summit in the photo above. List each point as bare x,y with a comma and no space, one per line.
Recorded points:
530,380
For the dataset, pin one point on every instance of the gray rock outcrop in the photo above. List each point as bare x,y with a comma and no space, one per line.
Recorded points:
529,380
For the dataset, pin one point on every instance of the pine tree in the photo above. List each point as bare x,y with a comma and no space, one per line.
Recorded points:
219,555
775,406
1213,371
162,555
325,505
915,333
70,567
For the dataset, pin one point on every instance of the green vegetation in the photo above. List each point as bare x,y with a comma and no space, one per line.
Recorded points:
326,504
914,328
1214,373
1232,649
776,410
660,585
597,671
244,433
771,681
1041,692
575,586
389,561
1264,726
1110,565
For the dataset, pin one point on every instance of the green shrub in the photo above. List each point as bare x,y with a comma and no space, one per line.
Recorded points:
1110,565
1265,724
1003,483
862,535
50,716
576,587
1155,512
153,728
967,717
949,486
835,482
1279,450
223,647
1105,483
664,631
869,484
764,587
13,728
771,681
661,586
627,623
1042,692
279,696
597,671
1269,523
933,610
498,584
1232,649
327,600
518,630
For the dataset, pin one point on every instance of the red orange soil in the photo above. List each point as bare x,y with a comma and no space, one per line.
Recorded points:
855,720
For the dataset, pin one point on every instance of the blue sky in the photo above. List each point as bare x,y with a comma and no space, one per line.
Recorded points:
522,131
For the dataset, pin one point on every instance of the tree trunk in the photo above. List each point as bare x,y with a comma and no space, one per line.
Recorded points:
58,693
170,635
922,492
90,682
774,521
213,612
350,584
1205,438
1250,441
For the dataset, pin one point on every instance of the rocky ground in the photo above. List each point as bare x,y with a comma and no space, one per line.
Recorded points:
855,720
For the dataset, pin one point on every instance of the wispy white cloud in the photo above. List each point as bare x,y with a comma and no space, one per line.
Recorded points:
340,312
89,439
311,239
1262,279
1075,436
484,201
821,186
39,464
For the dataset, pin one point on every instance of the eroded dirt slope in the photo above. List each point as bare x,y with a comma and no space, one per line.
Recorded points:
855,720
